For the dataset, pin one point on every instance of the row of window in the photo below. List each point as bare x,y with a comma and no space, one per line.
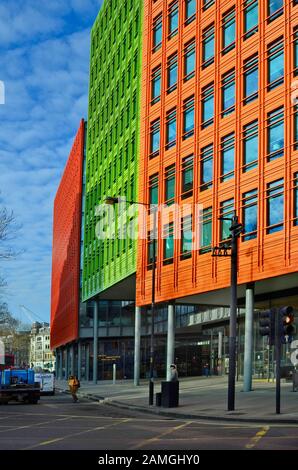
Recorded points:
249,210
250,11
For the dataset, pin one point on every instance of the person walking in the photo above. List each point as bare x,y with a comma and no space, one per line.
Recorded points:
74,384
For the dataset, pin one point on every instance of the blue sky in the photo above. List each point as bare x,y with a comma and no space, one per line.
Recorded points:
44,48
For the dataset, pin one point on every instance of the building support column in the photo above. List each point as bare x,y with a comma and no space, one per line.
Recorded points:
60,370
137,358
87,359
219,354
72,360
170,339
95,342
248,346
66,363
79,360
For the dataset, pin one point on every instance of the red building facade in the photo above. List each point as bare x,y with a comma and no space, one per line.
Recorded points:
65,290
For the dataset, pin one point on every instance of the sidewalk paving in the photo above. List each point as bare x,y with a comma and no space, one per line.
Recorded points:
200,398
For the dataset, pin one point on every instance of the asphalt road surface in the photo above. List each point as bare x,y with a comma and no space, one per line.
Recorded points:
57,423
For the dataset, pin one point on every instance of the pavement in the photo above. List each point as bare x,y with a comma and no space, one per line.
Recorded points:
199,398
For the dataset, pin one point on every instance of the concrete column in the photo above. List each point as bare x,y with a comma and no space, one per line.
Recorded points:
66,363
72,360
87,352
95,342
170,339
137,358
60,368
56,362
79,360
220,364
248,346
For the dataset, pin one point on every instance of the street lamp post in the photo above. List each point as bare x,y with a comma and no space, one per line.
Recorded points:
116,200
231,250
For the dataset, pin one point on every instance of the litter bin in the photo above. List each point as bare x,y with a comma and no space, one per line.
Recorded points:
295,381
170,394
158,399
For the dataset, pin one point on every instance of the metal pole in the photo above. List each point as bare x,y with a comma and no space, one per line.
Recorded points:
60,364
151,378
277,359
66,363
170,339
79,360
220,365
137,361
72,360
95,342
87,352
248,341
233,321
114,374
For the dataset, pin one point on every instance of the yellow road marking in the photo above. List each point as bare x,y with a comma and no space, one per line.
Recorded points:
165,433
33,425
260,434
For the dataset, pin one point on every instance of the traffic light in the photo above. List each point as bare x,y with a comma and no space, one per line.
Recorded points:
287,328
267,325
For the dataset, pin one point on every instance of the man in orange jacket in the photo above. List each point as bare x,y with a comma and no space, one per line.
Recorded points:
73,384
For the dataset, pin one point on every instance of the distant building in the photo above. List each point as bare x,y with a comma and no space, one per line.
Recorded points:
40,351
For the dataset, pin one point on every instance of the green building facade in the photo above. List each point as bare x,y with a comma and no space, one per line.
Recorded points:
112,138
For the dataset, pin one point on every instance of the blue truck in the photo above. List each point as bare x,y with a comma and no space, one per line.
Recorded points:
19,385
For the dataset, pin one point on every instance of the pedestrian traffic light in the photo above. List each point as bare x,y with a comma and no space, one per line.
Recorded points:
267,325
287,320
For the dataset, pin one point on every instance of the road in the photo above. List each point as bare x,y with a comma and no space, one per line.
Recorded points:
57,423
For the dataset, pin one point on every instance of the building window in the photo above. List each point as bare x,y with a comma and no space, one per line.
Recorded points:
170,185
155,138
172,73
173,17
251,18
190,11
206,230
250,146
207,105
228,93
228,31
227,157
171,128
250,214
296,127
275,9
251,79
275,61
189,60
153,189
275,134
187,177
296,199
157,33
168,244
206,167
156,85
208,46
296,51
226,210
275,206
150,248
188,117
207,4
186,237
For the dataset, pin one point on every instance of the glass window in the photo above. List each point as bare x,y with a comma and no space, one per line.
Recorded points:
275,61
168,244
206,167
171,128
228,93
150,249
172,73
157,33
156,85
296,199
275,206
227,157
170,185
228,31
188,117
250,146
226,210
186,237
207,105
275,132
251,79
251,17
296,51
208,46
207,4
189,60
155,138
206,230
187,177
275,9
173,17
153,189
250,214
296,127
190,10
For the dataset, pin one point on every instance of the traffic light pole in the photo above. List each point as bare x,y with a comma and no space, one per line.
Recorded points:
233,321
277,360
151,372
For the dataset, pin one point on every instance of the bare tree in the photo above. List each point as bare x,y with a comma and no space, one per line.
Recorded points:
8,230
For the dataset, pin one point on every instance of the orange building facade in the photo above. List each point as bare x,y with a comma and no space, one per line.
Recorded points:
219,129
65,289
